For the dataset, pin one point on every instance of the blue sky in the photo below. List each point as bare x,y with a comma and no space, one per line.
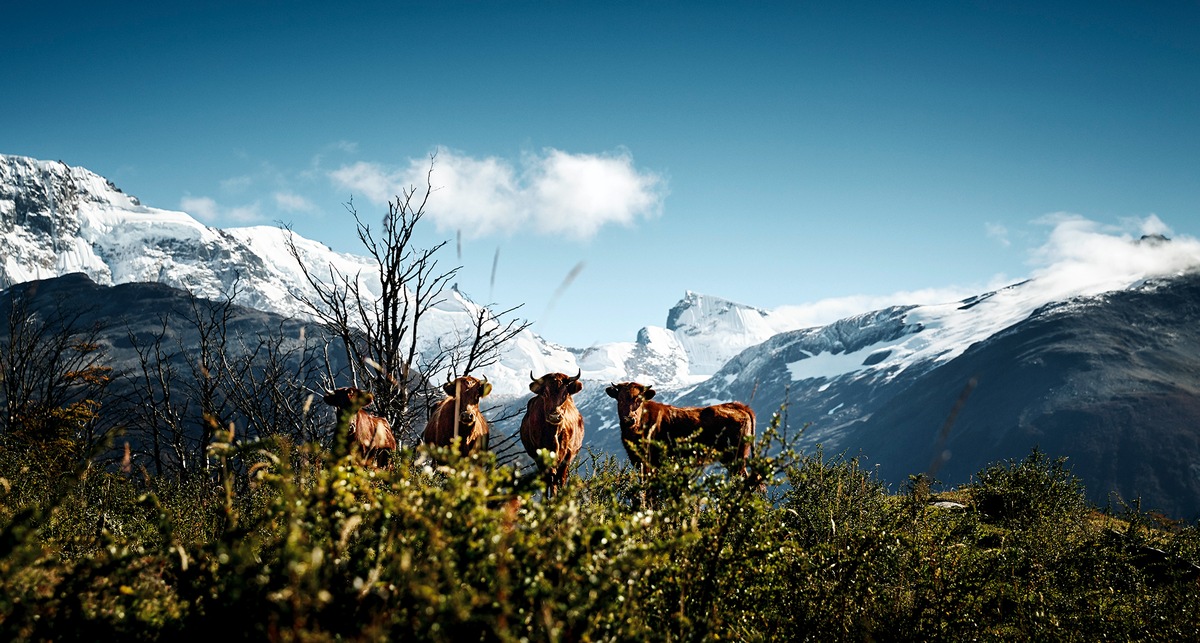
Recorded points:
770,153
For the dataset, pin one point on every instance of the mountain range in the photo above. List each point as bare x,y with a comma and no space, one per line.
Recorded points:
1099,361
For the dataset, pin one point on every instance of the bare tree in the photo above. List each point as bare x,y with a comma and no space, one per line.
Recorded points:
196,373
381,332
53,379
488,334
152,405
266,380
210,321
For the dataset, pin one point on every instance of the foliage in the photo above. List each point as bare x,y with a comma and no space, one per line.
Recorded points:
1032,491
298,542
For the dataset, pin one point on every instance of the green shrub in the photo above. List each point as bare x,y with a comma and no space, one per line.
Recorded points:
833,498
1031,492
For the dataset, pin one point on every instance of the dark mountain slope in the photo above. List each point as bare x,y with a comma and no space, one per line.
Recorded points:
261,385
1112,382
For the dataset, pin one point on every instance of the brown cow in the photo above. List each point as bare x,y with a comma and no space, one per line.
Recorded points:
553,423
651,430
372,434
458,416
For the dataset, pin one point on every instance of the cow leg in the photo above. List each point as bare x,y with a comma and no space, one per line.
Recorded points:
562,471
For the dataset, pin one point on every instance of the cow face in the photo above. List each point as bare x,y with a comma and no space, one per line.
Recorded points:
469,391
630,397
555,389
348,398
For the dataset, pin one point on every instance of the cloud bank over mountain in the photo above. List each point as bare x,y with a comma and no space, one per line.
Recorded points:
1079,256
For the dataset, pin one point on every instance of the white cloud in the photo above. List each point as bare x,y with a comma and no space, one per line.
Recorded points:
201,207
478,196
1081,254
1154,225
291,202
998,232
243,214
209,211
577,194
370,180
554,192
236,184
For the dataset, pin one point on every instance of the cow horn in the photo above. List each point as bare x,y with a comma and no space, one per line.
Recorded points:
577,375
531,377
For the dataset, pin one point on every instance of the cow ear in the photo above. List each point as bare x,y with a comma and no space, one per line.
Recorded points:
448,387
611,390
536,387
487,388
648,394
574,387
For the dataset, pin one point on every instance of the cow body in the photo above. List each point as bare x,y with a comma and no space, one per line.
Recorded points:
651,430
552,422
371,434
458,416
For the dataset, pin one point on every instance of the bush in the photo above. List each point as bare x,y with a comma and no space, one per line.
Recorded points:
833,498
1031,492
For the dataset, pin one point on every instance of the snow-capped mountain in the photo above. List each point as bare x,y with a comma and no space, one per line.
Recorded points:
711,331
57,220
1111,381
702,333
1094,354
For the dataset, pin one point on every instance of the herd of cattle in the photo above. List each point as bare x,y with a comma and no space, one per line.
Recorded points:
650,430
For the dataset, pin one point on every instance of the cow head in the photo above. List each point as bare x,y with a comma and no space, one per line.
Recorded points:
555,389
629,397
468,390
348,398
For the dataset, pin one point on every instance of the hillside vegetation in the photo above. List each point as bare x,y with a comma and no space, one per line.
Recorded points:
289,542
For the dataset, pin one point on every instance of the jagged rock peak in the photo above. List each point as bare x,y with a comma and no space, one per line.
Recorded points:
695,307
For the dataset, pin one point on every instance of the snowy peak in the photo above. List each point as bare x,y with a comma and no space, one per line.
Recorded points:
712,330
698,314
40,202
56,220
34,184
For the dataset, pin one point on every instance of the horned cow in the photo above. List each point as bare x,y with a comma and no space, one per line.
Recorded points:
458,416
552,422
371,433
651,430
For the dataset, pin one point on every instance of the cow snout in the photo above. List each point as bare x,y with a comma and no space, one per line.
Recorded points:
466,417
554,417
